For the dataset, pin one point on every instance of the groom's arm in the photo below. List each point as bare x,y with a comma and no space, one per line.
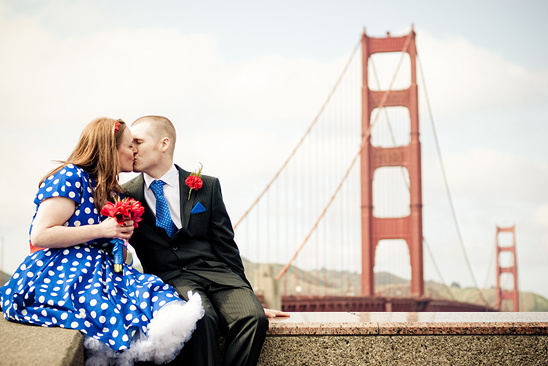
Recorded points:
220,231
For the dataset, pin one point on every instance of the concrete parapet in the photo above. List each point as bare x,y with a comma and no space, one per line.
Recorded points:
405,350
29,345
407,339
340,338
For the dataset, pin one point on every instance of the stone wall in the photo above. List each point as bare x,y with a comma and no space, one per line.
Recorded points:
340,338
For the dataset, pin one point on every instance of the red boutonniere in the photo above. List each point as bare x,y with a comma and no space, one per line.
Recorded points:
194,180
127,208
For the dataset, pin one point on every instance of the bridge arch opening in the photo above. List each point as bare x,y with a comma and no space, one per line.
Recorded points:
506,259
507,281
392,259
383,66
391,197
392,127
505,239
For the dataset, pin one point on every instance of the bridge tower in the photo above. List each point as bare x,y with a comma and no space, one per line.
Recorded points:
512,269
408,228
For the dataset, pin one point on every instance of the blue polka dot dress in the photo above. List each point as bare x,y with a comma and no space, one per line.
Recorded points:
77,288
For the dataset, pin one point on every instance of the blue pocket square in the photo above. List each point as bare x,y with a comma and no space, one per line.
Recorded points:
198,208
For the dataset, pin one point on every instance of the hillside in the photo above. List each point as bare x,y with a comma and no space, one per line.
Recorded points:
4,277
326,282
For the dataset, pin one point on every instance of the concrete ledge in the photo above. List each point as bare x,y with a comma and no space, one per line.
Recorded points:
407,339
405,350
340,338
30,345
340,323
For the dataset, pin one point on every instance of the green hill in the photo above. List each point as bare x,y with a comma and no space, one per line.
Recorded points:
327,282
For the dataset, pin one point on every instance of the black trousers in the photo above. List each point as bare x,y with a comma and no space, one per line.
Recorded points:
233,311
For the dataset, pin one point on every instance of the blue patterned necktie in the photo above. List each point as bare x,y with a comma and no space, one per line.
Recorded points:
163,218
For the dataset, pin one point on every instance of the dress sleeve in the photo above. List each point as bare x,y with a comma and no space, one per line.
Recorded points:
65,183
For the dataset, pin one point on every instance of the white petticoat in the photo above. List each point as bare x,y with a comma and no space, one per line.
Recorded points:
166,334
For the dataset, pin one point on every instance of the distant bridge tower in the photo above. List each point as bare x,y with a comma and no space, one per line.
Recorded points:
408,228
513,269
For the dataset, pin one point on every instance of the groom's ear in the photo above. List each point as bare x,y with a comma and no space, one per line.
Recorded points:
164,144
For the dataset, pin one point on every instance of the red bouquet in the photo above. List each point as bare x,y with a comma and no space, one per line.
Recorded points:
194,180
127,208
120,210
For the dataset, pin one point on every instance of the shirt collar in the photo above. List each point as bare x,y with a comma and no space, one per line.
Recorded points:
170,178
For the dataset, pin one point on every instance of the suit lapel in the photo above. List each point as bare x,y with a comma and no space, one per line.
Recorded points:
186,204
139,194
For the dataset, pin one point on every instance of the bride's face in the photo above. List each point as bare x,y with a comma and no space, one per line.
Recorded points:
126,152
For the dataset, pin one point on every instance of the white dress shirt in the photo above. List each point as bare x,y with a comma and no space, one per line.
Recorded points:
171,193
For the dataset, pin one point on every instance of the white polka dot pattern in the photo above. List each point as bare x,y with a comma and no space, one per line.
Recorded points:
74,183
77,287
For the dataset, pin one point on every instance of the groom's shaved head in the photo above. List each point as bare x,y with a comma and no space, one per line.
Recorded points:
160,127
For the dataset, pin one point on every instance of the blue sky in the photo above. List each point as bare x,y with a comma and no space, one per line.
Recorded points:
257,72
296,29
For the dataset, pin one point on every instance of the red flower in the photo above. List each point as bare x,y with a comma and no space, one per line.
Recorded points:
136,210
194,180
127,208
120,210
116,126
116,210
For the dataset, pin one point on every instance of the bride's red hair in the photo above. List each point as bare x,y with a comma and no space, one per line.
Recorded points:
97,153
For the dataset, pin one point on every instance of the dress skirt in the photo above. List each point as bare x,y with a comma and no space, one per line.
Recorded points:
125,317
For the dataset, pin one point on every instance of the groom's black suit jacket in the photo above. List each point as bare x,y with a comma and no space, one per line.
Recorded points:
204,244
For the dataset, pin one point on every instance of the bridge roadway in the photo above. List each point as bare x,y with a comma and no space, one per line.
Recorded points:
375,304
340,338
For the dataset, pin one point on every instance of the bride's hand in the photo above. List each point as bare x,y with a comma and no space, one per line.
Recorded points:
111,229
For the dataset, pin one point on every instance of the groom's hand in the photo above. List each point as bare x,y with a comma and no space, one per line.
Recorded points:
270,313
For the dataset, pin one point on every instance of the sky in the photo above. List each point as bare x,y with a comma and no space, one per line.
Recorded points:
243,79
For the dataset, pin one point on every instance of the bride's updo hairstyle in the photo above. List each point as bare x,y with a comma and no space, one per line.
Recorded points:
97,153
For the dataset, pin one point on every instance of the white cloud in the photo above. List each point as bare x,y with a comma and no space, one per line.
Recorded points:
229,116
540,216
241,119
462,77
488,175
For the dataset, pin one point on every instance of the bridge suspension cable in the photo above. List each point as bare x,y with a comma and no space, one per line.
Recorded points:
407,183
284,165
366,136
446,184
305,195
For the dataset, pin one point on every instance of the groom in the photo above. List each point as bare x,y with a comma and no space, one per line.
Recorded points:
186,239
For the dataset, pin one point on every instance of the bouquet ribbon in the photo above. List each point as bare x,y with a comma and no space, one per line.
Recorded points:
118,254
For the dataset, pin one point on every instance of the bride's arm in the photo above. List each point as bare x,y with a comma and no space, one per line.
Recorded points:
48,230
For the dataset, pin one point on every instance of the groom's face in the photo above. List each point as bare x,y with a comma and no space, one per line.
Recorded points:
148,150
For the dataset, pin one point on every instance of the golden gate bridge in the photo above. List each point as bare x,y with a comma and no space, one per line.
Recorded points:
364,193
